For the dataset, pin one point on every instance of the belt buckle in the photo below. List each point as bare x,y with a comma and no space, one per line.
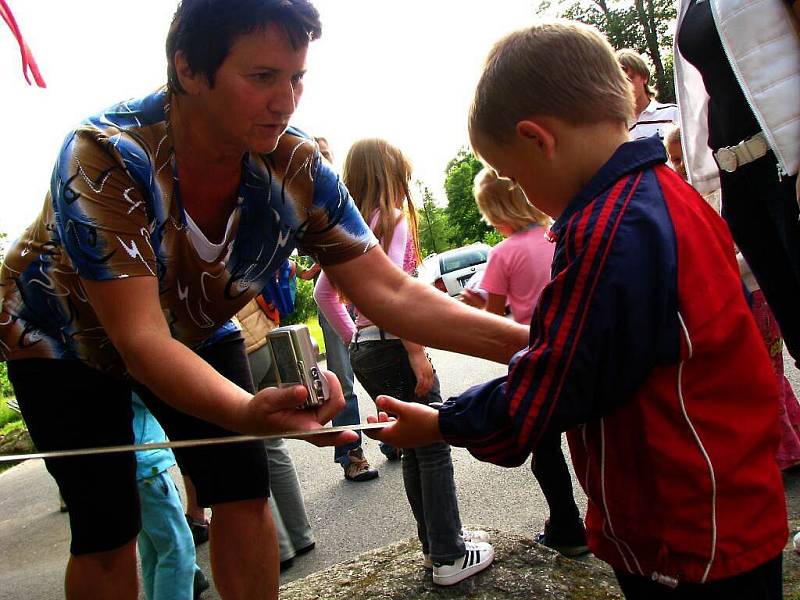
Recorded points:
726,159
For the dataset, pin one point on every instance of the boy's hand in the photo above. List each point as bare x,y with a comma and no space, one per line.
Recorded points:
412,426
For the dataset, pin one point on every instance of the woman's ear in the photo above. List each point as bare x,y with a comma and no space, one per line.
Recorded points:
539,133
190,81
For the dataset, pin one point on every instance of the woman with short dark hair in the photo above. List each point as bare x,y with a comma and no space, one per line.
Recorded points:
165,216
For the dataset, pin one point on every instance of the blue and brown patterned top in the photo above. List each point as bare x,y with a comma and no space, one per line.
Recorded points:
114,211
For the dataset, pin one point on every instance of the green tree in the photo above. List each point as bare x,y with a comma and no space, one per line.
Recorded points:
304,305
434,229
463,216
492,237
643,25
5,386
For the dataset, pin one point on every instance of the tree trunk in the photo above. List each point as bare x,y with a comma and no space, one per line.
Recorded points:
648,22
612,27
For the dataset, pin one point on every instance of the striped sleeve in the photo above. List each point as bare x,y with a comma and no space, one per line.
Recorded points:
600,327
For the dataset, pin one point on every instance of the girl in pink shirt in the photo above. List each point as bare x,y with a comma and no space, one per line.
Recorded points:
518,269
519,266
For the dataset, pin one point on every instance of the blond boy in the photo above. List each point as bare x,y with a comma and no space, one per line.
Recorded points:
642,346
652,117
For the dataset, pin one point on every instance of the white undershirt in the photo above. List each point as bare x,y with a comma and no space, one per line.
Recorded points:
205,249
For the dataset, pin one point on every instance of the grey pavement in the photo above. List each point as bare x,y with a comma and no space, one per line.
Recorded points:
348,518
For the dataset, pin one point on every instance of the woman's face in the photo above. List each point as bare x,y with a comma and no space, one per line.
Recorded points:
256,90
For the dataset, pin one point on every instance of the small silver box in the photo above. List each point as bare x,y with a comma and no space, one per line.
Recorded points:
294,362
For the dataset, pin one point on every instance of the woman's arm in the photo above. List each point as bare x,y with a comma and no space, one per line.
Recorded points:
416,311
130,313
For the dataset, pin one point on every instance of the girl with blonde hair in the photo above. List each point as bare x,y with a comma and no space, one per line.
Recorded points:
519,266
517,271
377,175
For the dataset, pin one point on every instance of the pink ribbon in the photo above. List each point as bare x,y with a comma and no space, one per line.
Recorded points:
28,62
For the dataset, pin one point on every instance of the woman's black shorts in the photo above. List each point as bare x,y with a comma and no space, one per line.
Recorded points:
68,405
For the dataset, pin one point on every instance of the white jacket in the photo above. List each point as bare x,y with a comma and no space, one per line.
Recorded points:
763,47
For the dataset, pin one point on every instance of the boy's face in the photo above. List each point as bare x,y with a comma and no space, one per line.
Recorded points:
638,82
675,153
512,161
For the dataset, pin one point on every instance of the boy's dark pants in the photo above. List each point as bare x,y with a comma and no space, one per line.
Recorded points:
762,583
551,471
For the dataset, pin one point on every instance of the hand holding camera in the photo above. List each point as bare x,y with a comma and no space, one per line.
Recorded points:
294,361
275,410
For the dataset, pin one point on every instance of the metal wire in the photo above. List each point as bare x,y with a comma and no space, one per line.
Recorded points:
188,443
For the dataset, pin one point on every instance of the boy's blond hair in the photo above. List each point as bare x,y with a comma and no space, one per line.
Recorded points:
633,61
673,135
501,201
561,69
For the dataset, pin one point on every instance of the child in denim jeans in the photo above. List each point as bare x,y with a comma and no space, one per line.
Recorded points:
166,547
377,175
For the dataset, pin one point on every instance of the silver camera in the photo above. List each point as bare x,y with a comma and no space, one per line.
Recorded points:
294,362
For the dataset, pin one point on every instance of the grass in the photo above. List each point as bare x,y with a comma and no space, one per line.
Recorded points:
7,415
11,427
316,332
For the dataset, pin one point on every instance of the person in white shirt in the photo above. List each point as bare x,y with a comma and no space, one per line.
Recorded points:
652,117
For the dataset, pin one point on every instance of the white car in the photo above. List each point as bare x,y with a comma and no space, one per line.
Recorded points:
451,270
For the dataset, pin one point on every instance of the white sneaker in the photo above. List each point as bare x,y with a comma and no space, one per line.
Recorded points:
475,536
478,557
796,542
469,535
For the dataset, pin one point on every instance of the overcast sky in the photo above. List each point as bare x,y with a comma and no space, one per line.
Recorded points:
402,70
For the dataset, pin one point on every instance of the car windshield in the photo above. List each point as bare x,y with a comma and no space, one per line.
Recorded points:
463,259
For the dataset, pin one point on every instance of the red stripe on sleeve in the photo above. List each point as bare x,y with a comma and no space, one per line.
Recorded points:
574,310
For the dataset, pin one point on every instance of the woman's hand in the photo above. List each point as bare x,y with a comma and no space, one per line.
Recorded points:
412,426
423,371
276,410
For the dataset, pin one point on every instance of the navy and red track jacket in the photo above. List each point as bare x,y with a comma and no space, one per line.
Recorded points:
643,348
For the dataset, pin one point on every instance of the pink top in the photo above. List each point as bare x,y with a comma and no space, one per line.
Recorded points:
401,253
518,268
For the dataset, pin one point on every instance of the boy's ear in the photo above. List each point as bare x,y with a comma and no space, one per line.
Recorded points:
537,131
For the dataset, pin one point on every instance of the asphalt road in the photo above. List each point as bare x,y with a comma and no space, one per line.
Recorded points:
348,518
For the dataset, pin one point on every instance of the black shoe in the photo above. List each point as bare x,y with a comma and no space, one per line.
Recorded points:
392,454
569,542
305,549
200,583
199,530
287,564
